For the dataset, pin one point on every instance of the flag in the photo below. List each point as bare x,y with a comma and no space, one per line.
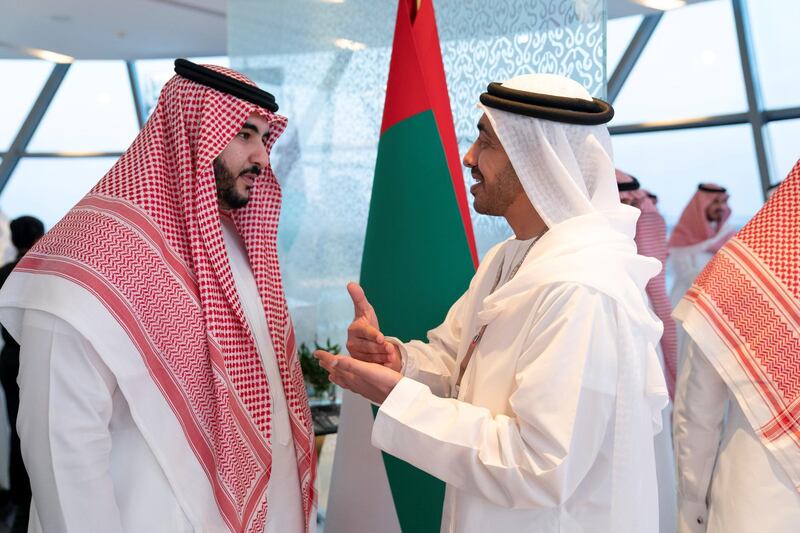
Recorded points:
419,256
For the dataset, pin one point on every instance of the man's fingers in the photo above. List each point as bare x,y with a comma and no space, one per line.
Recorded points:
336,363
340,369
326,359
371,381
362,329
361,306
348,365
364,348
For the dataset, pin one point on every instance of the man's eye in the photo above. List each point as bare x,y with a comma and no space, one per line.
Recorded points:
244,135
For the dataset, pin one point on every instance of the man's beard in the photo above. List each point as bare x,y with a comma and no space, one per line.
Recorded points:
226,185
715,215
497,198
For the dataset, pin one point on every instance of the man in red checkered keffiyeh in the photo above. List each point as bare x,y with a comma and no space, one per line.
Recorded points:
651,241
160,387
702,229
737,400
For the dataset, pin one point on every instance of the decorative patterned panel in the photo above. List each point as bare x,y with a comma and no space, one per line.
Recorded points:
333,95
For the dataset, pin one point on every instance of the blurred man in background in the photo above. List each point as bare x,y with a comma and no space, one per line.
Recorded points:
701,231
25,231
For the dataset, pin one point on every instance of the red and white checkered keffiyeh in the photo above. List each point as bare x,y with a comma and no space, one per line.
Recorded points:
744,313
147,241
651,241
693,226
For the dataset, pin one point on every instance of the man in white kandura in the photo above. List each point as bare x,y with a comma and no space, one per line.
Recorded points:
736,423
537,399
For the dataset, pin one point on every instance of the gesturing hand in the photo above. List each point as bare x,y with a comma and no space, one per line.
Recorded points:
373,382
365,341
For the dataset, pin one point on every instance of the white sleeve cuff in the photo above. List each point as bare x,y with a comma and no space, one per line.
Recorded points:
408,367
392,410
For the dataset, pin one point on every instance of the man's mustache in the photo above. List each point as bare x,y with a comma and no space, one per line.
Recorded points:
255,169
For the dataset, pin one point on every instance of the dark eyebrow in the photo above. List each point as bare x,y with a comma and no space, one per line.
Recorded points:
254,129
488,134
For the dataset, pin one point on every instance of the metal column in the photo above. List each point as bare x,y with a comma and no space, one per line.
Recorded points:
631,55
753,87
32,121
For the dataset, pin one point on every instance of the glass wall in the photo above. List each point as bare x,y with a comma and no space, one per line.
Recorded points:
90,120
328,70
686,70
691,71
618,37
784,138
329,77
48,187
670,164
17,98
774,27
92,111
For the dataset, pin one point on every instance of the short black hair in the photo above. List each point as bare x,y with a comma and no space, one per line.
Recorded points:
25,231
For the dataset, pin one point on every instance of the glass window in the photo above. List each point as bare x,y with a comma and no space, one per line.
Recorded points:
783,137
48,187
92,111
221,61
619,34
154,73
23,80
774,24
671,164
690,68
328,157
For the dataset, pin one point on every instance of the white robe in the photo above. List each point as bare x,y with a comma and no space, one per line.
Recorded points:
728,482
665,470
685,263
528,445
88,455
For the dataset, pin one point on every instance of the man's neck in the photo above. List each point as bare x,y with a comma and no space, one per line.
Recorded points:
524,220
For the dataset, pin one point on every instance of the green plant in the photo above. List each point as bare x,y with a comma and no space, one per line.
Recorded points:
315,375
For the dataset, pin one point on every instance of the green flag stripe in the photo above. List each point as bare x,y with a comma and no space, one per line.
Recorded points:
416,260
416,263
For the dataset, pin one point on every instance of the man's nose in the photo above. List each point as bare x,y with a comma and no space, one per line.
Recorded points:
469,158
259,157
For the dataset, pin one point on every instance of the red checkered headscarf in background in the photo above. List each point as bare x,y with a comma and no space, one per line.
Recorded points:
693,226
651,241
637,197
744,313
147,241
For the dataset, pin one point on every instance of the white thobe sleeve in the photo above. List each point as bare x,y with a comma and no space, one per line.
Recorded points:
701,400
562,405
65,409
434,362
